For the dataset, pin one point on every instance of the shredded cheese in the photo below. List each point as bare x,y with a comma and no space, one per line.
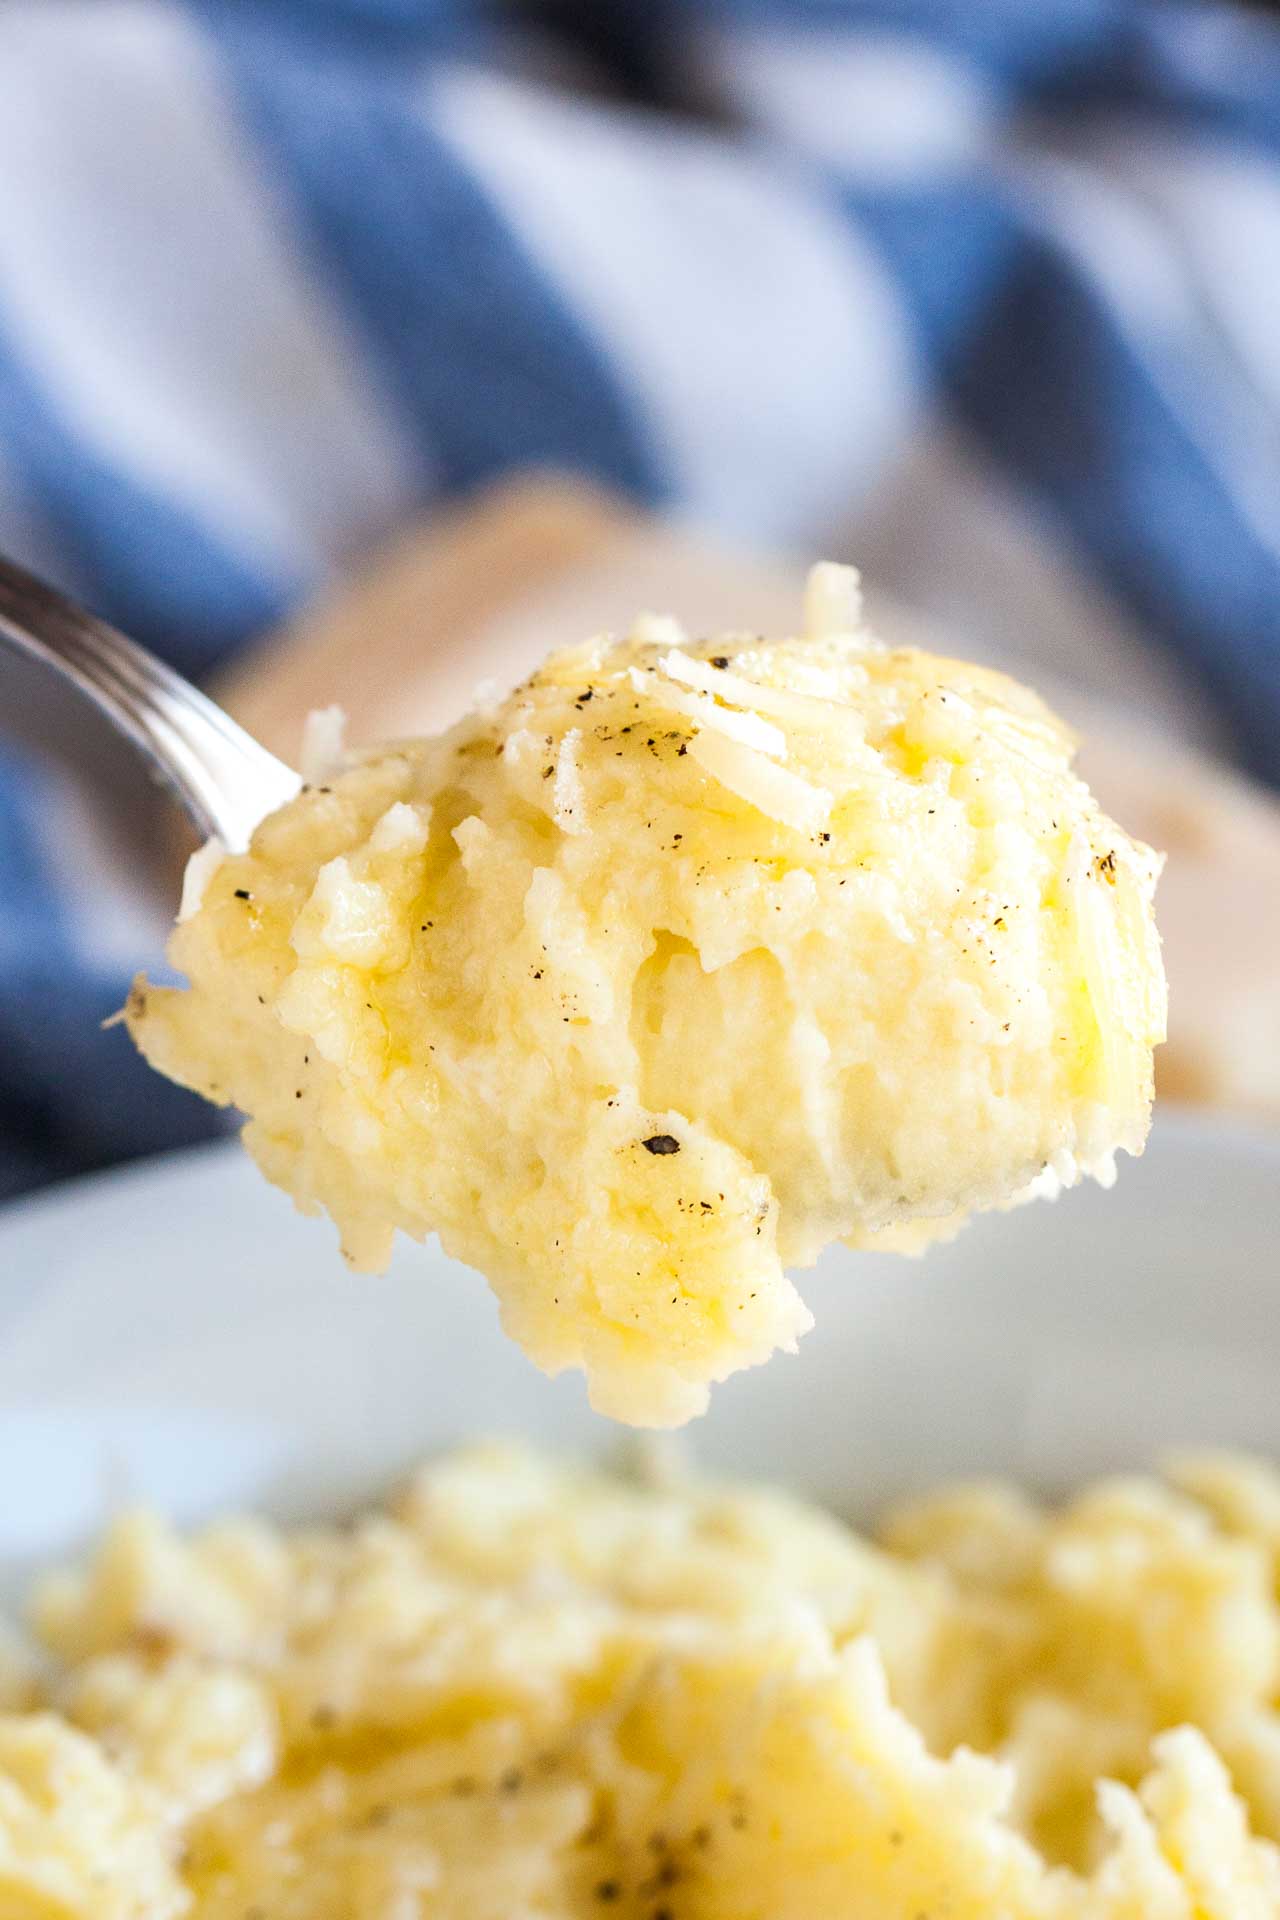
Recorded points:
323,742
782,703
748,728
200,869
773,790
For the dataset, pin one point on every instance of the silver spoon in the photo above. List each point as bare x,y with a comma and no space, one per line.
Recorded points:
224,779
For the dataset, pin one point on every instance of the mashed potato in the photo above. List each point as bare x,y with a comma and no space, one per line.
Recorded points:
675,965
535,1693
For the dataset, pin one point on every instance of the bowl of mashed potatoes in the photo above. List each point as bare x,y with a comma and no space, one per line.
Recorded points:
968,1608
328,1606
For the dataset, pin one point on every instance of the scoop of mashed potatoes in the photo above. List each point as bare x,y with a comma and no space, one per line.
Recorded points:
532,1690
680,962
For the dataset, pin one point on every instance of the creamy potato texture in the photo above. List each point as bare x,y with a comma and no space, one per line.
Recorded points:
532,1692
680,962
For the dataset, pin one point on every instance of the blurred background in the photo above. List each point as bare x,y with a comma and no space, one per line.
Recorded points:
355,349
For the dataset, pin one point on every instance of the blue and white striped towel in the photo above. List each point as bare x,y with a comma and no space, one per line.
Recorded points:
987,293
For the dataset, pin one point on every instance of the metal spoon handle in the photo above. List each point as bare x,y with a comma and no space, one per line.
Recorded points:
224,779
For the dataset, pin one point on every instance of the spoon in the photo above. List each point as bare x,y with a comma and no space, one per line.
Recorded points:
224,779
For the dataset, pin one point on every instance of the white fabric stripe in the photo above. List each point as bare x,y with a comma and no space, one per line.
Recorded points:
761,337
1222,202
993,582
880,107
1126,250
177,330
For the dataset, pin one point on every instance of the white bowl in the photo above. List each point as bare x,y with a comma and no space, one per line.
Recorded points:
175,1332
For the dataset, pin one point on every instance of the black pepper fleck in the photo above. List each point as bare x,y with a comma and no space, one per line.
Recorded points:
661,1143
243,893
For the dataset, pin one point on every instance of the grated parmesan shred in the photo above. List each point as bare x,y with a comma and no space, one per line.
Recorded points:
783,703
568,799
323,743
200,869
771,789
748,729
658,630
832,600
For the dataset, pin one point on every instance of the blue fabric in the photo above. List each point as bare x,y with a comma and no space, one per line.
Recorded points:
1103,450
278,276
489,368
152,568
71,1097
